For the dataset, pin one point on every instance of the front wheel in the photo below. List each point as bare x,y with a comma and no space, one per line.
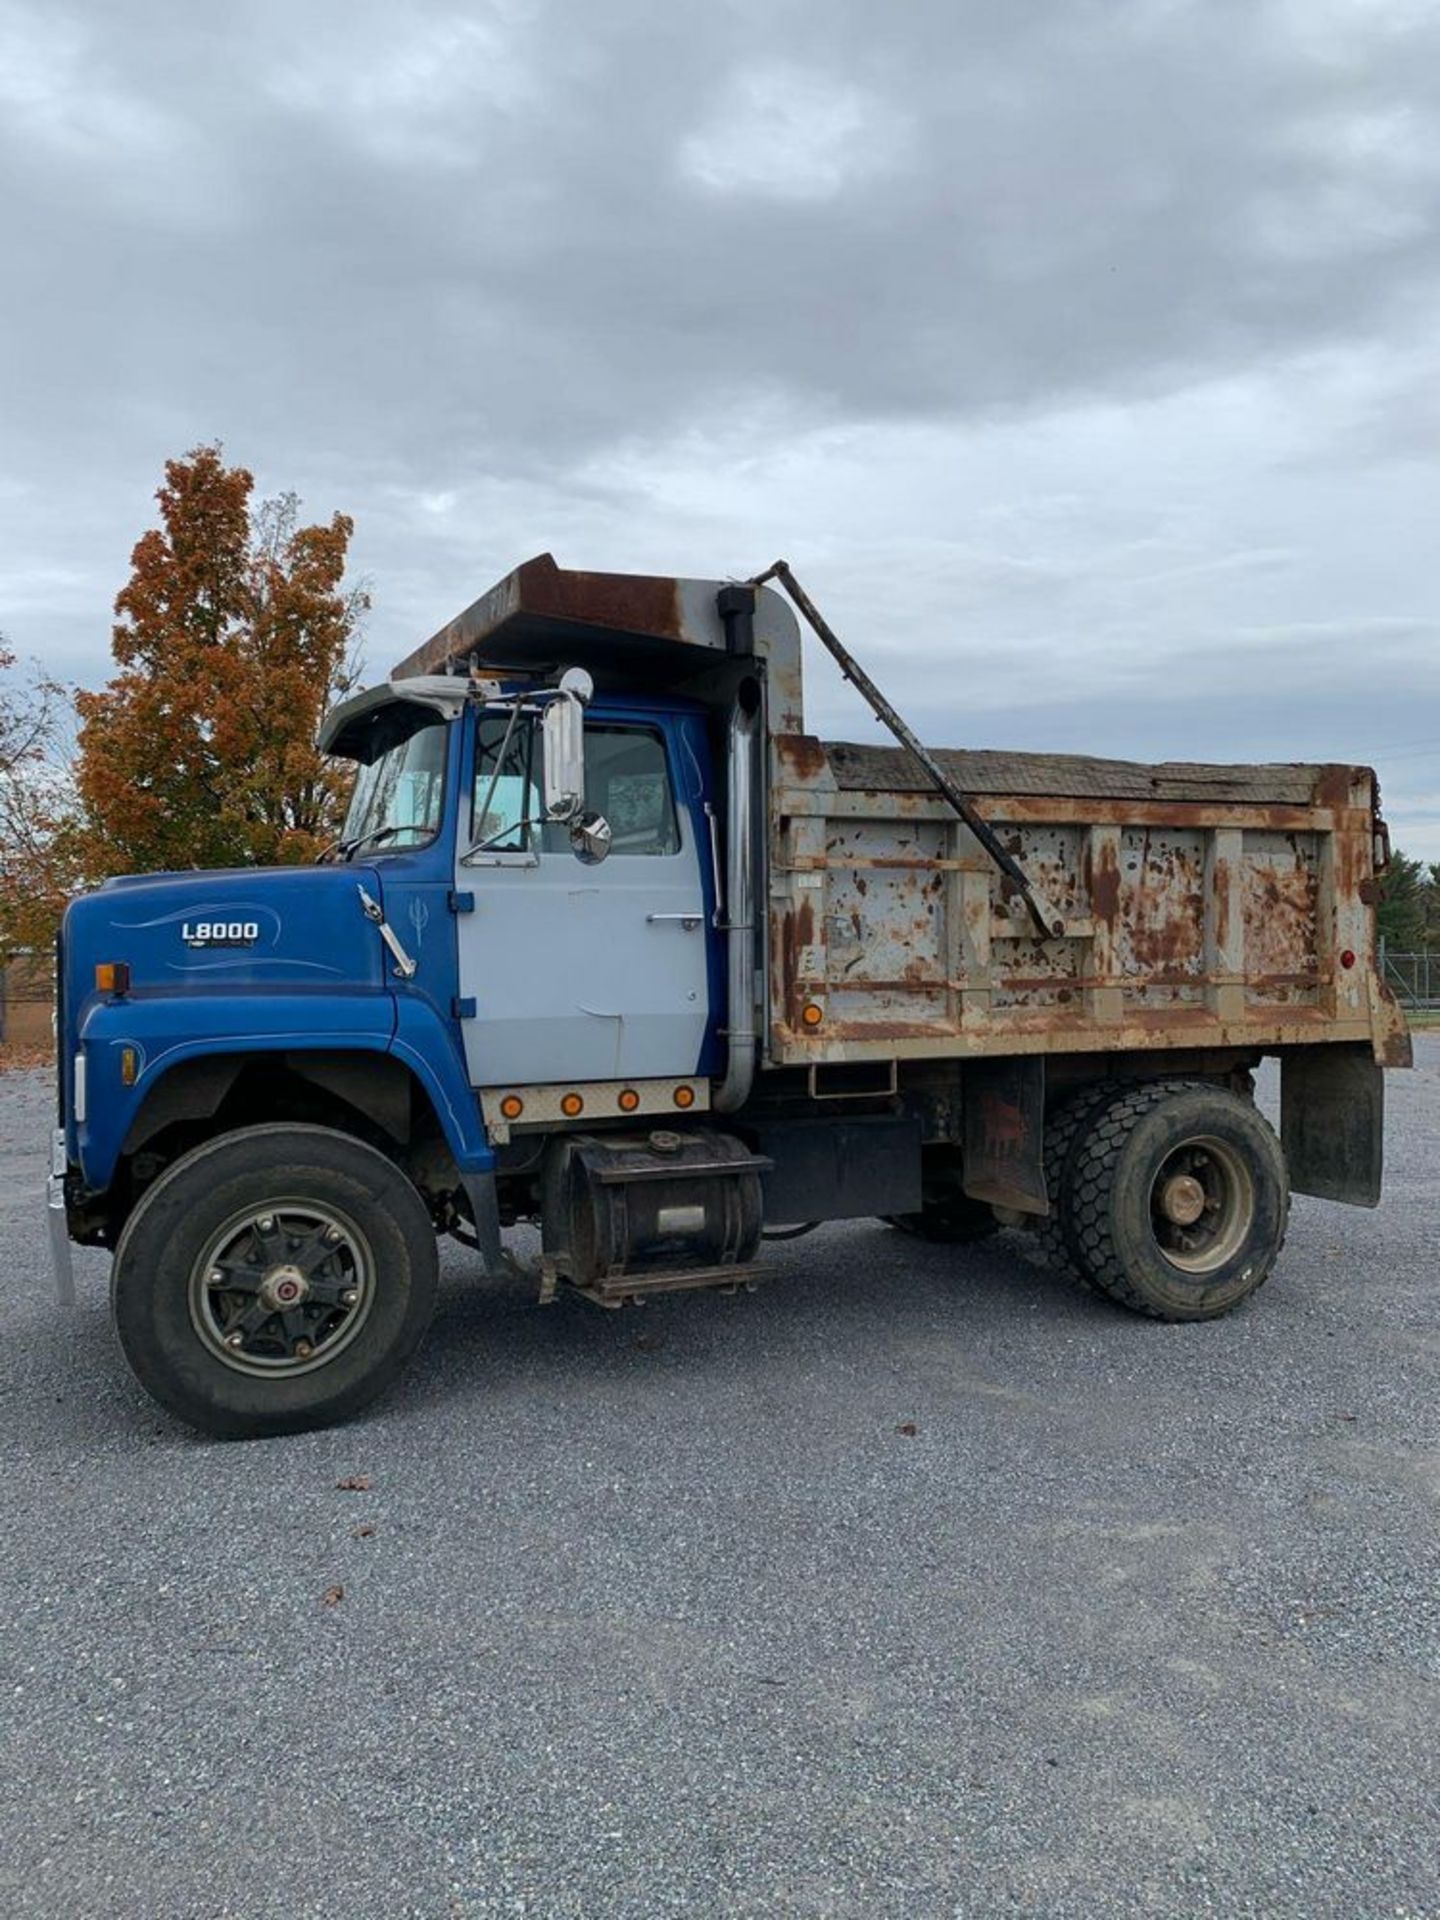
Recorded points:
1177,1200
275,1279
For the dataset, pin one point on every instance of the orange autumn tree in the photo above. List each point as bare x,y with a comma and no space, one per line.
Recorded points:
233,634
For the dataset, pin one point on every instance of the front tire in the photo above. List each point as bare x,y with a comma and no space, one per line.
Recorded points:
273,1280
1178,1201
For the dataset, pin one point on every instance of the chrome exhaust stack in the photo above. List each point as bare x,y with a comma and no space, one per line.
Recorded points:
741,773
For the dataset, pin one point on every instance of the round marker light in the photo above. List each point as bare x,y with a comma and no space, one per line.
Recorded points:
512,1106
684,1096
1347,958
629,1100
572,1104
813,1015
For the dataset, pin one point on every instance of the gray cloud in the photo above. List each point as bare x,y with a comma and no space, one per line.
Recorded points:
1081,351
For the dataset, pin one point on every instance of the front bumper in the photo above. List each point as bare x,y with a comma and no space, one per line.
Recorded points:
61,1260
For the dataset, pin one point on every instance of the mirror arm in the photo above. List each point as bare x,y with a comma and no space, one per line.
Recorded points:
520,826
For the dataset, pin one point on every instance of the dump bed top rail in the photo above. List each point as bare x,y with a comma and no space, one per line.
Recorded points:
1080,777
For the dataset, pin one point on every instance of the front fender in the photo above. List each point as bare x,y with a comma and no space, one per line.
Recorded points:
164,1031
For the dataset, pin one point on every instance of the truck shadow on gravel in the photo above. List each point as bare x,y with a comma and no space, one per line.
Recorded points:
839,1298
844,1298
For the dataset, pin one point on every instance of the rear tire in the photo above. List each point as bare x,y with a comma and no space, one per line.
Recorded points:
273,1280
1064,1133
1178,1201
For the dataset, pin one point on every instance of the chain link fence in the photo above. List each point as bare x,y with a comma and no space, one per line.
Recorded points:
1414,977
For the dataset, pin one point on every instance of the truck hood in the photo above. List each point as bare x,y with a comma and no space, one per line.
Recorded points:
246,929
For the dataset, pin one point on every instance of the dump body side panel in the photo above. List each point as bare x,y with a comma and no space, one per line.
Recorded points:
1203,907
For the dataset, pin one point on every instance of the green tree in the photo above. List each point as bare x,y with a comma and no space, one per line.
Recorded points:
1401,915
233,633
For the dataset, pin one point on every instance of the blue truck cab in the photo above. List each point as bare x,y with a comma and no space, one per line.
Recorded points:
278,1085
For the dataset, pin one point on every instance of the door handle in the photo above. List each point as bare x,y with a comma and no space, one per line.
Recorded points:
687,920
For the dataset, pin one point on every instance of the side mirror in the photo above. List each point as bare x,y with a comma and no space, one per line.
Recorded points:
590,838
563,730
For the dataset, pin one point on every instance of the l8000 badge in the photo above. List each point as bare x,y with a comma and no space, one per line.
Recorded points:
220,933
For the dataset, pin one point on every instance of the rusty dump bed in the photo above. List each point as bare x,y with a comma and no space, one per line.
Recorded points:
1204,906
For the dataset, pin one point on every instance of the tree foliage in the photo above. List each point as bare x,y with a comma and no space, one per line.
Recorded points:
39,856
232,634
1409,910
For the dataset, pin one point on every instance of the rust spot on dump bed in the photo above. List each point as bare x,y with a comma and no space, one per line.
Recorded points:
801,754
797,931
1332,788
1162,927
1396,1049
1221,882
1280,905
1102,879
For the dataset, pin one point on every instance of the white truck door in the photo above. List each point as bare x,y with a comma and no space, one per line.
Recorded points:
581,972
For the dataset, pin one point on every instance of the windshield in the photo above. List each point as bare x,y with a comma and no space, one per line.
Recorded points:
398,798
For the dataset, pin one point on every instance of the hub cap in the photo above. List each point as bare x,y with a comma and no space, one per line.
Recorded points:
1202,1205
282,1290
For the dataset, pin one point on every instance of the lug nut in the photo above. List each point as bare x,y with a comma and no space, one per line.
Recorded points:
349,1297
217,1276
234,1339
267,1225
303,1349
332,1234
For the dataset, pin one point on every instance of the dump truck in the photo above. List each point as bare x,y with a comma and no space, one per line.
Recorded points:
611,946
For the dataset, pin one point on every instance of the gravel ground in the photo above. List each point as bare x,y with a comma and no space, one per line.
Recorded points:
670,1612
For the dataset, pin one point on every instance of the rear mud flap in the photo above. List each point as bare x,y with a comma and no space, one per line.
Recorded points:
1005,1133
1332,1123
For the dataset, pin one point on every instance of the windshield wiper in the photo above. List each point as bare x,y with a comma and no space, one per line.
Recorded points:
344,849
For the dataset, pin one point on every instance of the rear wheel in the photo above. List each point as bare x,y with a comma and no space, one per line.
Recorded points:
275,1279
1178,1201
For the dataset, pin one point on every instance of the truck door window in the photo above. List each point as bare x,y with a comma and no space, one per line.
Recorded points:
627,779
513,799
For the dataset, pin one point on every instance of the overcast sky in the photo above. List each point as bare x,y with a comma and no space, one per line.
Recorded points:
1082,358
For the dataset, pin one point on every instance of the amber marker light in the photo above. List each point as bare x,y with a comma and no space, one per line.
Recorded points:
629,1100
571,1104
511,1107
813,1015
684,1096
112,976
129,1066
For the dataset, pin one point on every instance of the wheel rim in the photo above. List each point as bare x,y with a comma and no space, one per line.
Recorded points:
282,1289
1202,1205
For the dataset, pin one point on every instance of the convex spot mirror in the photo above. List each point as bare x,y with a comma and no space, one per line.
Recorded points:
590,838
564,740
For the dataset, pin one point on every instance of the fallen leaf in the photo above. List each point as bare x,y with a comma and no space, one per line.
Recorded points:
362,1533
357,1483
1345,1416
649,1342
333,1596
908,1428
